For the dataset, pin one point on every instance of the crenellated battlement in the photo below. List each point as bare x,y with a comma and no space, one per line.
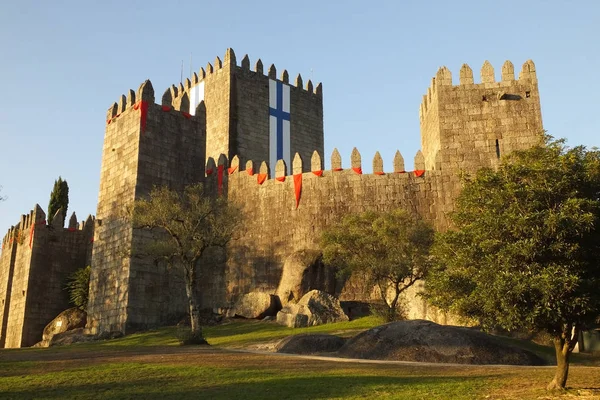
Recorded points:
229,61
443,78
263,175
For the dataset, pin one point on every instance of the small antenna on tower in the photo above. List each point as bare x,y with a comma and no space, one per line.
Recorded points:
181,76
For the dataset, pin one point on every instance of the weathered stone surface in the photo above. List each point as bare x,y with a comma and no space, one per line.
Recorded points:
314,308
310,344
79,335
67,320
426,341
302,272
256,305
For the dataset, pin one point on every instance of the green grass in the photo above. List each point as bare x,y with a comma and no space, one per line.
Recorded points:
241,333
151,365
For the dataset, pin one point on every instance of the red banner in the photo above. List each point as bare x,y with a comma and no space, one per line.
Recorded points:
231,170
379,173
261,178
166,108
209,171
250,171
358,170
419,172
281,178
338,169
318,173
297,188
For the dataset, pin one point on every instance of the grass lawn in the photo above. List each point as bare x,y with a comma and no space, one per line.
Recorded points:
152,366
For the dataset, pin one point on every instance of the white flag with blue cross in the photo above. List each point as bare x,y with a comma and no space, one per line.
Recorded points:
279,124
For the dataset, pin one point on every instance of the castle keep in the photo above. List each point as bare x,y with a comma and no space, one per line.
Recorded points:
257,138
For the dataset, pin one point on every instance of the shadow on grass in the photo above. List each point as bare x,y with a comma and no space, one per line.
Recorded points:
268,387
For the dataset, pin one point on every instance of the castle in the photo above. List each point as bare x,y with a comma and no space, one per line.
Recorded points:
257,139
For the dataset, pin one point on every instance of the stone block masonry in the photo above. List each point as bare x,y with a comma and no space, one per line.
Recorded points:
35,262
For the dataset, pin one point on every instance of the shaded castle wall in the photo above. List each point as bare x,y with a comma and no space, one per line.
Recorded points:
274,228
469,126
146,144
32,288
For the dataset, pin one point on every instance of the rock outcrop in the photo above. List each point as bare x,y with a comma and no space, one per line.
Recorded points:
310,344
256,305
314,308
72,318
426,341
304,271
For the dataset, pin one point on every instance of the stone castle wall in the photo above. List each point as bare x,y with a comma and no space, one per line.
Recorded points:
274,228
35,263
459,127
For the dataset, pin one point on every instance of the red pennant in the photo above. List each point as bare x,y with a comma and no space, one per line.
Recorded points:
318,173
166,108
297,188
220,179
209,171
33,229
261,178
231,170
379,173
400,172
250,171
338,169
108,121
187,115
71,229
419,172
358,170
281,178
143,107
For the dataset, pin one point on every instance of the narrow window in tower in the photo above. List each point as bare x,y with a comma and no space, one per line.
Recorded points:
483,98
497,148
528,94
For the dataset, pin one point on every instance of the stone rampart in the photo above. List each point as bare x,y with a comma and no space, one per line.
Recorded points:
35,263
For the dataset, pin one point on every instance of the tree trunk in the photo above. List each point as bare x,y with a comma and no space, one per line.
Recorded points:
562,365
563,347
194,310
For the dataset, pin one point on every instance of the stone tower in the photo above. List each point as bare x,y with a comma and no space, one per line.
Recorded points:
223,110
471,125
253,115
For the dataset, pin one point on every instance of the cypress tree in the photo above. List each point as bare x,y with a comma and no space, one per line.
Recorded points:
59,198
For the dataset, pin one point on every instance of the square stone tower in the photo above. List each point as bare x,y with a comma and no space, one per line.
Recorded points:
252,115
471,125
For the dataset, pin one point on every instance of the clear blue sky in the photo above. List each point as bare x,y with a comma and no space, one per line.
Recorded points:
63,63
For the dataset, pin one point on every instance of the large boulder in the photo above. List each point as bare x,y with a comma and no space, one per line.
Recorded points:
304,271
310,344
70,319
256,305
314,308
79,335
426,341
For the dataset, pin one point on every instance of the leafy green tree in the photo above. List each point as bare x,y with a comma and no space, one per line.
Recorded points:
78,287
525,251
59,198
390,249
189,224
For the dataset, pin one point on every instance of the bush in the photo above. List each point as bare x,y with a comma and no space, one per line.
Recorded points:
78,286
186,337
